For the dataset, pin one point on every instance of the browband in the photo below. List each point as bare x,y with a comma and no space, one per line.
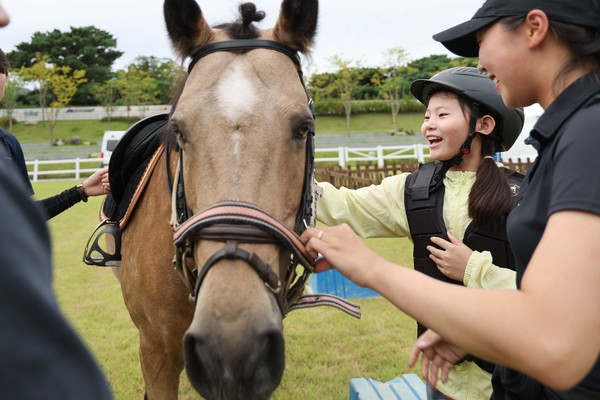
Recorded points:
244,44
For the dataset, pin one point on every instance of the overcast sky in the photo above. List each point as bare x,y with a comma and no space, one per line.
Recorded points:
354,30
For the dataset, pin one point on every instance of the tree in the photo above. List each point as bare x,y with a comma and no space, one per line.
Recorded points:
106,95
39,74
135,87
164,71
84,48
14,90
346,82
390,80
63,83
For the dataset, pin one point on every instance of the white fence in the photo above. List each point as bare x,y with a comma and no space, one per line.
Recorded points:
381,154
43,169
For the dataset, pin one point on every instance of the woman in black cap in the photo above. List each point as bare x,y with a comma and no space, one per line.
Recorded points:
535,51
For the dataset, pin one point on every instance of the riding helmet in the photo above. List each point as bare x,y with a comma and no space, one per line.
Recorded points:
476,86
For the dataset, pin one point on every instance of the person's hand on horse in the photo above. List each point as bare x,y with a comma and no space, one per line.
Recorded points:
343,249
97,184
437,356
452,258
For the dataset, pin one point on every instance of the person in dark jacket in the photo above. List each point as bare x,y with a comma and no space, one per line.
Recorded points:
41,355
11,151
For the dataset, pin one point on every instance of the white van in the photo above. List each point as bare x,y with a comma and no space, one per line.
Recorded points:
109,142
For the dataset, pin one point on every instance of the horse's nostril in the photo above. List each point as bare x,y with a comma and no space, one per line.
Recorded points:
198,363
266,366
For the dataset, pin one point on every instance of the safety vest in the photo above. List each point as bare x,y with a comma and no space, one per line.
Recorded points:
424,202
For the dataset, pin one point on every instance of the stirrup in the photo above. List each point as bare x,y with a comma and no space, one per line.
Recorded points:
95,255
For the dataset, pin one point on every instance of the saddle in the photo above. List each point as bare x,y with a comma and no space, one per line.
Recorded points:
128,163
130,166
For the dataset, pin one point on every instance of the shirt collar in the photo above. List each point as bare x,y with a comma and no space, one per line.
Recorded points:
561,109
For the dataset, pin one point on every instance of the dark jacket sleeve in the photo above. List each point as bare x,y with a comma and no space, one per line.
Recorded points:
57,204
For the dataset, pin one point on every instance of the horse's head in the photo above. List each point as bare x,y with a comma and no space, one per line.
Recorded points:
244,127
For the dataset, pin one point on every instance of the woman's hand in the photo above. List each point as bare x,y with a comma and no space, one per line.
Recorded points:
343,249
452,258
97,183
438,355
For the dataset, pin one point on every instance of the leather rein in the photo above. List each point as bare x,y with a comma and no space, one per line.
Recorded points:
235,222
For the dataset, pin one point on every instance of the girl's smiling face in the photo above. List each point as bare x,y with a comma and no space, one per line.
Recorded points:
445,126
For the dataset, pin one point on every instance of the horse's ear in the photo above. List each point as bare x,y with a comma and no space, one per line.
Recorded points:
186,26
297,23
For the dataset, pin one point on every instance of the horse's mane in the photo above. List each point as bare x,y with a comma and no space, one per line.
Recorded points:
243,27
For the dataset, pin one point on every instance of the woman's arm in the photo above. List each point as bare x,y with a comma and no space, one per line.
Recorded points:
95,185
548,329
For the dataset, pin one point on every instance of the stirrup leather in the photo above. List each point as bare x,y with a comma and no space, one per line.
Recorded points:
94,253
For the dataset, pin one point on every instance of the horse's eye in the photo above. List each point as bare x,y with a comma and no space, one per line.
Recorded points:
181,140
304,130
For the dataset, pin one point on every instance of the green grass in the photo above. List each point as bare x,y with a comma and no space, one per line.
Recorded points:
92,131
371,122
324,347
88,131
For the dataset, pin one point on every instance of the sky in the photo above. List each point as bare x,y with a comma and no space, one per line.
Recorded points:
360,31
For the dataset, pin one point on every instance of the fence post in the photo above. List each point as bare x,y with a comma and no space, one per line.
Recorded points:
77,168
419,153
380,161
342,156
36,169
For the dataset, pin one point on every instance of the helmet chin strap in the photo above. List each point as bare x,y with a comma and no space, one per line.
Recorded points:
466,146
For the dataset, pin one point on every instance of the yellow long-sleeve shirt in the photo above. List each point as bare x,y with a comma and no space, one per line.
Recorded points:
379,211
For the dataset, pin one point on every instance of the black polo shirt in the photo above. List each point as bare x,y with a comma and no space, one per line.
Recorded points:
565,176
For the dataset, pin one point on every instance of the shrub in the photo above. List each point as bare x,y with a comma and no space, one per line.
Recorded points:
5,122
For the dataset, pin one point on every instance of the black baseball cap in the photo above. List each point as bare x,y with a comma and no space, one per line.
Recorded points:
461,39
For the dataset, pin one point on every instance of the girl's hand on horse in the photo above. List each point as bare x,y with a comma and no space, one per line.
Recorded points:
452,258
342,249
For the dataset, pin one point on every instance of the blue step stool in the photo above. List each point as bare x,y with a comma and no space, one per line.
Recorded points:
333,282
405,387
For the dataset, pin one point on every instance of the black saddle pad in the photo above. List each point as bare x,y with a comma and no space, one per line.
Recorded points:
128,162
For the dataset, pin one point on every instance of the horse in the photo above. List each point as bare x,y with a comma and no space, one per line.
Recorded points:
226,210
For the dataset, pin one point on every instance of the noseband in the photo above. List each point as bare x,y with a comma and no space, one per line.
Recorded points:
235,222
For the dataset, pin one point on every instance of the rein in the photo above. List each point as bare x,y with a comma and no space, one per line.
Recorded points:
235,222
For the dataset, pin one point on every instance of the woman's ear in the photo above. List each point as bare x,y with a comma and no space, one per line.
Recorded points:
537,26
486,125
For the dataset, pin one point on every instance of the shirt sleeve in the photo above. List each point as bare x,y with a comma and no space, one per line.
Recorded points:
483,274
58,203
373,211
575,178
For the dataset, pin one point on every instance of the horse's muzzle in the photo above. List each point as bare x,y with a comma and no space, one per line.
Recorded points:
249,370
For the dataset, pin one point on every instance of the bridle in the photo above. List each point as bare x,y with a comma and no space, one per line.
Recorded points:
234,222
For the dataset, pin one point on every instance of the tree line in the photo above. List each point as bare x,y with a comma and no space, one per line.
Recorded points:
55,69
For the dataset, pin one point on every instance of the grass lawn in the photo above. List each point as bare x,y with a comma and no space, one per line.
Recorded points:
324,347
92,131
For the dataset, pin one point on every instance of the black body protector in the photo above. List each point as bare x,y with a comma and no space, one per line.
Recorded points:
424,203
